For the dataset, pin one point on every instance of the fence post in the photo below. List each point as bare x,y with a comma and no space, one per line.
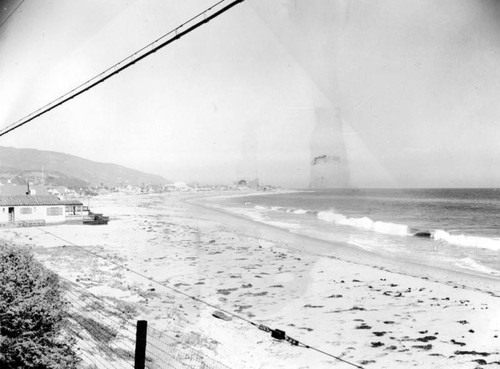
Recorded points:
140,344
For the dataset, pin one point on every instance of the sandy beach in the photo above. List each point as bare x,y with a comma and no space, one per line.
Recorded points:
365,309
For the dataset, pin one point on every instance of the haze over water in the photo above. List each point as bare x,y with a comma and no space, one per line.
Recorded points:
412,88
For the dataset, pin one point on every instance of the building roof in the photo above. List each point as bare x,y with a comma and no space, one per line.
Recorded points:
71,202
29,200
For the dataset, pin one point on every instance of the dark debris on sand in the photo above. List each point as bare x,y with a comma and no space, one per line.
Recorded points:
426,338
423,347
363,326
459,352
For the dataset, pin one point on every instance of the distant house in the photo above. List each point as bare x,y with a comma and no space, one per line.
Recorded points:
61,192
31,210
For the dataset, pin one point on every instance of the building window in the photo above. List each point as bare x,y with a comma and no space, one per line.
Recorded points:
26,211
54,211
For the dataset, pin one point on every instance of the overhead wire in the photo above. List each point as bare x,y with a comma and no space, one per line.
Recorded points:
127,62
107,337
197,299
148,278
152,332
83,300
101,77
12,13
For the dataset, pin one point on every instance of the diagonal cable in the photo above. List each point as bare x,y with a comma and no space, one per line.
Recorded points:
125,63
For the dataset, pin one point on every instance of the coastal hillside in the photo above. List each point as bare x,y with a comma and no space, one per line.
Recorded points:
20,165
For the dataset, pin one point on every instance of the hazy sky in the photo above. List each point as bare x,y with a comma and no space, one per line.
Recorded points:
417,81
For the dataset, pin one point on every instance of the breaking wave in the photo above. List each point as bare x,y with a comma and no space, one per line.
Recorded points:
389,228
466,240
300,211
365,223
471,264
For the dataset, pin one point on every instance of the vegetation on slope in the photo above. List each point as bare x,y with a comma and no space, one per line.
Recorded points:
16,161
32,311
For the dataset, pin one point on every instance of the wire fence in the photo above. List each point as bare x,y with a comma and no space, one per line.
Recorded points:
164,351
106,337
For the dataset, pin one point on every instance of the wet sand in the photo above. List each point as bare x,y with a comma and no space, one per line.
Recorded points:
365,309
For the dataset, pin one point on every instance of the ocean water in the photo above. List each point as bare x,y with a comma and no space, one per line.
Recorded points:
451,228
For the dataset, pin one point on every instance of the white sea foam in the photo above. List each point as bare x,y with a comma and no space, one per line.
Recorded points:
330,216
374,226
273,208
467,241
363,245
471,264
365,223
289,226
257,215
250,213
300,211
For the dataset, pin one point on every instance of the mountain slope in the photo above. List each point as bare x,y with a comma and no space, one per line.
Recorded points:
20,161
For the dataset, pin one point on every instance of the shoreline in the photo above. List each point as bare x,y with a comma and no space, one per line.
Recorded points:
364,314
357,255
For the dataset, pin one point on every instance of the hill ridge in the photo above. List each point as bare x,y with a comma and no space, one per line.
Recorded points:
19,162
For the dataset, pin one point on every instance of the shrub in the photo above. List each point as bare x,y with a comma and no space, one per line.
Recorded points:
32,311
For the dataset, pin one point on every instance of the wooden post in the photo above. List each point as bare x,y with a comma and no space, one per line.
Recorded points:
140,344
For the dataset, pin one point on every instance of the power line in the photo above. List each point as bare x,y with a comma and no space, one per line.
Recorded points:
150,279
259,326
82,299
125,63
10,15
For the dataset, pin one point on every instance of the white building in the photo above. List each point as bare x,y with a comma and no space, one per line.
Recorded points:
32,210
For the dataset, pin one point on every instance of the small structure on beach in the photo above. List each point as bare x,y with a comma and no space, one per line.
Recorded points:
74,211
35,210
